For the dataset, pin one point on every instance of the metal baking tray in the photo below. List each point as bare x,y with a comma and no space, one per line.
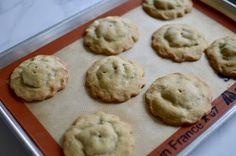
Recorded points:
26,47
227,7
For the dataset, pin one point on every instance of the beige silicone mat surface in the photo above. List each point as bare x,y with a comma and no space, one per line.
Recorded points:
59,112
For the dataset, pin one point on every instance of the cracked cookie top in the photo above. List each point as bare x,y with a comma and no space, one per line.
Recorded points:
167,9
98,134
39,78
115,79
179,42
179,99
222,55
111,35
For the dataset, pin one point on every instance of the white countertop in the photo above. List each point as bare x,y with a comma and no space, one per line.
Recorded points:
21,19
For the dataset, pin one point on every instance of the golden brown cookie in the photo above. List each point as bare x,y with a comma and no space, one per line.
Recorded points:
222,55
39,78
115,79
111,35
179,99
167,9
179,42
99,134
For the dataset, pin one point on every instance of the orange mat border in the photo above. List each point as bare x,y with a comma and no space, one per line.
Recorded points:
30,123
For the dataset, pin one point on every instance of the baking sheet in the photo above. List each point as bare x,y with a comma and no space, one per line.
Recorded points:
59,112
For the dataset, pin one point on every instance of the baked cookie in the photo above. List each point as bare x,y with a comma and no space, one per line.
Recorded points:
111,35
179,99
115,79
99,134
222,56
179,42
167,9
39,78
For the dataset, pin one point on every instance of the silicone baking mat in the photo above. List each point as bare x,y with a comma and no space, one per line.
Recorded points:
46,121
